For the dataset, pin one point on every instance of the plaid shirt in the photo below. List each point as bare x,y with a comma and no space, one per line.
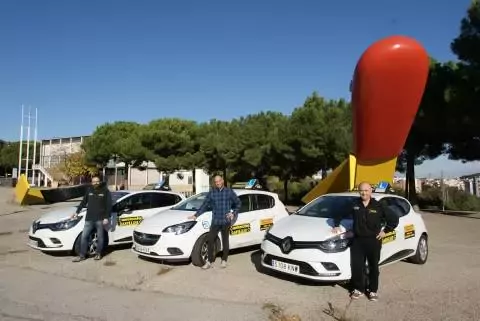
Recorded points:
221,201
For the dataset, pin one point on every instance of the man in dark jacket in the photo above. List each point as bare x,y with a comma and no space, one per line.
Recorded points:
368,217
98,201
225,205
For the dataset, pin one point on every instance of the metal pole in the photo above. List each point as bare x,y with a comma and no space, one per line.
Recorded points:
28,144
20,146
34,147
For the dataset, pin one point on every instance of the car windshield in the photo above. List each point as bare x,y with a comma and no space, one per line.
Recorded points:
329,206
192,203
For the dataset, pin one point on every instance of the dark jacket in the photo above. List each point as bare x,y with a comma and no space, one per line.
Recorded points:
367,221
221,203
98,201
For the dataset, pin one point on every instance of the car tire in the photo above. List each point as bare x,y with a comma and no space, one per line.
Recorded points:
421,255
199,253
76,245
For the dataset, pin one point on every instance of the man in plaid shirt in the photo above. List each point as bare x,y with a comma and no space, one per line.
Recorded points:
225,205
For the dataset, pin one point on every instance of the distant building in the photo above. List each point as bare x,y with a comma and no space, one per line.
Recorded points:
472,183
54,151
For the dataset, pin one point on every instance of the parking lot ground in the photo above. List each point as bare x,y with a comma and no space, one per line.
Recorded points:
38,286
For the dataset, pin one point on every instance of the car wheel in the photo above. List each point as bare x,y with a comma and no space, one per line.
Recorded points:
421,255
200,250
92,243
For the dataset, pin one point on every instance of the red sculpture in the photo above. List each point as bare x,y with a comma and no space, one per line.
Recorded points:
388,85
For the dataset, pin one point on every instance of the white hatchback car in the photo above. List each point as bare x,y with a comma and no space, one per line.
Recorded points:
172,237
55,231
303,244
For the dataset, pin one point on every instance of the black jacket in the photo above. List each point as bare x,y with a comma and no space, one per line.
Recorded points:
98,201
367,221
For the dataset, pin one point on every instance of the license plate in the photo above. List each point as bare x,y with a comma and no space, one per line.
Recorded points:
142,249
287,267
33,243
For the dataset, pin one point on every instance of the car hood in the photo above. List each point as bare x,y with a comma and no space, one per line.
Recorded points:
163,219
58,215
306,228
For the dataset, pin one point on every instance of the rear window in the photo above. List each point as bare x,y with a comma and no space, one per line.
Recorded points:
329,207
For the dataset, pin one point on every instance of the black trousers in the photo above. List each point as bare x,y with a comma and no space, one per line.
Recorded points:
212,235
367,248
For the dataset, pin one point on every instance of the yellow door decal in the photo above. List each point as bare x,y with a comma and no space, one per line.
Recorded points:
266,223
129,221
409,231
240,229
389,237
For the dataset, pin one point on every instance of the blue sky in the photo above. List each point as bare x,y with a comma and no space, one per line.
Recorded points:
83,63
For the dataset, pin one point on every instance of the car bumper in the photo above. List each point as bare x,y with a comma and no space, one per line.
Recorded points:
47,240
169,247
309,264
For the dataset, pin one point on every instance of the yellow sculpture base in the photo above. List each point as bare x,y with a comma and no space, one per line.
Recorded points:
25,195
350,173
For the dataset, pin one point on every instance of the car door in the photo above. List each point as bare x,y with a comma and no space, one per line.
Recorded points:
242,233
406,224
263,210
130,212
393,242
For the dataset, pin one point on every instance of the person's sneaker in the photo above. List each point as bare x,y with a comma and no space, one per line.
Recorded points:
97,257
356,294
223,264
207,266
78,259
372,296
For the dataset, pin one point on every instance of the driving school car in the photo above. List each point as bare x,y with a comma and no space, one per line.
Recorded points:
56,231
304,245
171,236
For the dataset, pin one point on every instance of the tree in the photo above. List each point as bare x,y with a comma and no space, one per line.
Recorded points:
170,143
119,141
321,134
9,155
76,166
464,143
428,136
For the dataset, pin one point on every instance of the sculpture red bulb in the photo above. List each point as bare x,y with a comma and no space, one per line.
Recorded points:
388,85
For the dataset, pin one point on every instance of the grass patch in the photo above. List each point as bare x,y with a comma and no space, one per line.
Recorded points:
277,313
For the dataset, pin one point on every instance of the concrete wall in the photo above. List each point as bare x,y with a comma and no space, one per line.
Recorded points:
53,151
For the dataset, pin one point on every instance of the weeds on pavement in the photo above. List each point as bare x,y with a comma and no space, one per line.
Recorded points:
278,313
338,315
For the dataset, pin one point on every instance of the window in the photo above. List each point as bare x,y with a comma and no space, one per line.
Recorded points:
192,203
397,205
190,180
264,202
329,207
245,203
136,202
163,199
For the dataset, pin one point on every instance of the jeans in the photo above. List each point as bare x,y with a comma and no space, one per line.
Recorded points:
212,235
87,230
365,248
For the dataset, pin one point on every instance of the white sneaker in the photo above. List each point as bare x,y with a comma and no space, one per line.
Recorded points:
224,264
207,266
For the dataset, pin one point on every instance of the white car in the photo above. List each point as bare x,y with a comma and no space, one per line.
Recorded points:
303,244
172,237
55,231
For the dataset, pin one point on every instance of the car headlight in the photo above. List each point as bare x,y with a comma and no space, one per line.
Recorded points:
337,243
65,224
180,228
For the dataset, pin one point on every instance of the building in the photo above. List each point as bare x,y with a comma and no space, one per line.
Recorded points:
472,183
54,151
